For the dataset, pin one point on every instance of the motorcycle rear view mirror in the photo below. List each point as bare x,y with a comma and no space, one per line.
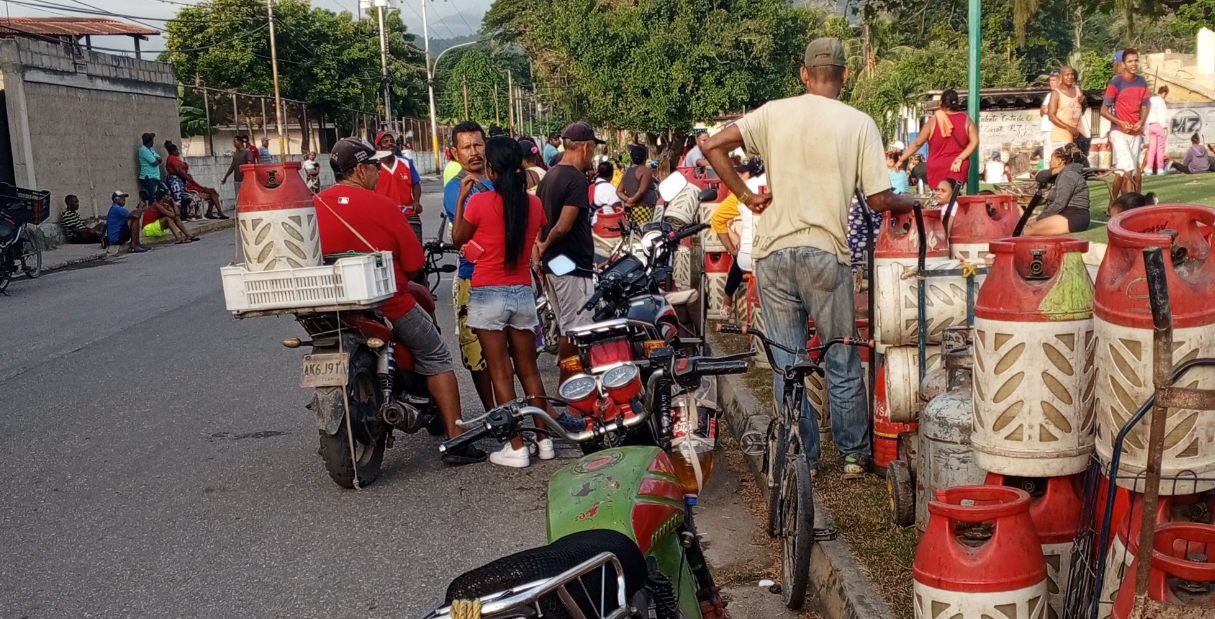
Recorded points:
561,265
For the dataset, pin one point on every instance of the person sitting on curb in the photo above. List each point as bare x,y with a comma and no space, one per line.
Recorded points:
161,215
74,228
122,225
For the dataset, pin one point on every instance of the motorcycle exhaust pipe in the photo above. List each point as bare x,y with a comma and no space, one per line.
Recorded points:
403,416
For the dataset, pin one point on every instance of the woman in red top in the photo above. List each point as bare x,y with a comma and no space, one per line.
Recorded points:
180,169
951,137
497,230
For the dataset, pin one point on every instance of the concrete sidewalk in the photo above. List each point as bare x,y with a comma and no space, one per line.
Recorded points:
68,255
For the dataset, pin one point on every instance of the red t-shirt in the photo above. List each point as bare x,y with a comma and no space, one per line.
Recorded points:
382,224
396,184
484,210
1127,97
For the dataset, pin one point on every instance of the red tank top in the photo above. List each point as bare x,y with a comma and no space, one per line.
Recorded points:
943,150
396,184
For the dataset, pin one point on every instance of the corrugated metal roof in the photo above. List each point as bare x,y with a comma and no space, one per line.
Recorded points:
72,26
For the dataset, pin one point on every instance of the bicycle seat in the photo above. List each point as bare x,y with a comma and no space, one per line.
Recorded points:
802,369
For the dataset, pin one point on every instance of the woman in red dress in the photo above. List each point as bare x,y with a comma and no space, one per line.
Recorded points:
179,168
951,137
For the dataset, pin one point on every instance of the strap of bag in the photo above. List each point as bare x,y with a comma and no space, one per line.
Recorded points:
345,223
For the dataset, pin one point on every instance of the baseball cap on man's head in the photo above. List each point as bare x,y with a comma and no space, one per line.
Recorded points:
825,52
350,152
581,132
118,193
265,139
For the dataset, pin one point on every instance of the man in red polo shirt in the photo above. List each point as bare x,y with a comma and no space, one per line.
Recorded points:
351,217
399,182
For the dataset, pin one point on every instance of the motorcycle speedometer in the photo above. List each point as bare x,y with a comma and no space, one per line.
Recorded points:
622,382
581,391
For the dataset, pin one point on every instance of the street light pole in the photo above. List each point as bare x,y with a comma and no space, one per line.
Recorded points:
430,88
278,101
972,100
380,4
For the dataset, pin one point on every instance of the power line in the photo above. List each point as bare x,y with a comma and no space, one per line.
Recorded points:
458,12
97,9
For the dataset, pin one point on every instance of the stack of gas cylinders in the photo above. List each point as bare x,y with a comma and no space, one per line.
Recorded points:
1181,572
1053,369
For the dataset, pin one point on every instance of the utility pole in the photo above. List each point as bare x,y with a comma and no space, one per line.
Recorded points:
972,103
207,112
430,89
278,101
497,115
465,81
384,82
510,104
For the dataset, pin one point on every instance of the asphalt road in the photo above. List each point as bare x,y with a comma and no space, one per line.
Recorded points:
158,462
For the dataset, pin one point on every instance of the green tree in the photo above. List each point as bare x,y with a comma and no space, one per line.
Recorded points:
1194,16
484,80
656,66
900,82
327,59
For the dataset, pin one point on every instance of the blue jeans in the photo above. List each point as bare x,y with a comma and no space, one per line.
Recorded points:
804,282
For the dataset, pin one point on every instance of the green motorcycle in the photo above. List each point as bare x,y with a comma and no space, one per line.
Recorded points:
622,539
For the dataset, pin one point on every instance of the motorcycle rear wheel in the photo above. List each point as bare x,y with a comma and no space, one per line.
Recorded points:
369,449
31,254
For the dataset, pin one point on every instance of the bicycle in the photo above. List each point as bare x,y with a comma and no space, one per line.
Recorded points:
790,488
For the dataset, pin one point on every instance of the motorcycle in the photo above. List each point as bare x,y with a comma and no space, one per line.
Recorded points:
20,245
363,383
622,510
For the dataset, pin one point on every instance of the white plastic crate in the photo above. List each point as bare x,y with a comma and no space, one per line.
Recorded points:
358,280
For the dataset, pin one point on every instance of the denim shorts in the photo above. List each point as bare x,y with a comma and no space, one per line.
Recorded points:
496,307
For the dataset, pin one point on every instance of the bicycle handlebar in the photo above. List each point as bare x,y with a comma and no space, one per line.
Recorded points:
687,231
769,345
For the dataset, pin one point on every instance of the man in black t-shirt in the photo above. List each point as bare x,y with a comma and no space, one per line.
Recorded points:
564,191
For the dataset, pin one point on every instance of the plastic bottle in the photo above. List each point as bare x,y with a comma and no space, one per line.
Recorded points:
694,423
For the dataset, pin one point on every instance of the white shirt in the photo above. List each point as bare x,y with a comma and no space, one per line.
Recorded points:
995,172
605,196
1158,113
1047,125
748,224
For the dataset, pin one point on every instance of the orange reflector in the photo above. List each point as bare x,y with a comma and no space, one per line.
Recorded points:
652,345
571,365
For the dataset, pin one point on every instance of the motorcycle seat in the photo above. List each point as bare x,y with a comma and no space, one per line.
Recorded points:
682,297
8,232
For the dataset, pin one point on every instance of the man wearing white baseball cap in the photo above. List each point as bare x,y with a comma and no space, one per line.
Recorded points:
122,225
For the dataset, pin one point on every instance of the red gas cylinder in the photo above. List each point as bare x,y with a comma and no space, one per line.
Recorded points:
899,239
1120,559
718,263
1055,504
978,220
1182,572
979,556
717,271
277,218
1123,328
1034,318
608,226
886,432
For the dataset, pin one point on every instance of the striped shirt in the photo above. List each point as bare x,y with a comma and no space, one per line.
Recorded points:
71,222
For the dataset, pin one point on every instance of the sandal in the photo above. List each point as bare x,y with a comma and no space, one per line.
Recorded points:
222,216
193,238
180,242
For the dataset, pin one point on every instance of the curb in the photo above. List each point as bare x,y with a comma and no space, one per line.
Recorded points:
842,587
100,255
199,228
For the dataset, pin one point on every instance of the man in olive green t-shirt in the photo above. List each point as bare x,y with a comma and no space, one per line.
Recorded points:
818,153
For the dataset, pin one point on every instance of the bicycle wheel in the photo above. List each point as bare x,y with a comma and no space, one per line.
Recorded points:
797,535
781,433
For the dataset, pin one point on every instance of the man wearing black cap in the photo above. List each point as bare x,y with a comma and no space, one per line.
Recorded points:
817,153
352,217
564,191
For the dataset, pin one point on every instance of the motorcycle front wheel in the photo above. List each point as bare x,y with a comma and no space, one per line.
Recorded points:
370,440
31,254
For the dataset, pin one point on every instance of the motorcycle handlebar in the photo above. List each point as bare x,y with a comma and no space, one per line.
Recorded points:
687,231
717,367
467,438
594,300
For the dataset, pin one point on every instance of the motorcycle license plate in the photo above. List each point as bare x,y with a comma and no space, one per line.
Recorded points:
324,370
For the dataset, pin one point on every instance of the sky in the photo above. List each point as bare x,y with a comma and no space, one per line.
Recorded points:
448,18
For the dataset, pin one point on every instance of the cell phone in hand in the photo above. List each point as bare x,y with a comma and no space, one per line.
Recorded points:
473,251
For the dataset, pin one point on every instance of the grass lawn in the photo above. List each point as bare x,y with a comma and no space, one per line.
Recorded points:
1171,189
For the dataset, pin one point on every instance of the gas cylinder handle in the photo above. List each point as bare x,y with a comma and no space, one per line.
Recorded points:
1015,501
1167,536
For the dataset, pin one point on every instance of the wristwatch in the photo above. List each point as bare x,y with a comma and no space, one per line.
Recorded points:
744,197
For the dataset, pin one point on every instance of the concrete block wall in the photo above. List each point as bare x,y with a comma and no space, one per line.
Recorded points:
75,121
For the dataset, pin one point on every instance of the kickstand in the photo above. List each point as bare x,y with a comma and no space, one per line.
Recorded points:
825,535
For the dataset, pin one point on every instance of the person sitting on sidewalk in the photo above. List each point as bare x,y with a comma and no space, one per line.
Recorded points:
161,215
74,228
122,225
1196,161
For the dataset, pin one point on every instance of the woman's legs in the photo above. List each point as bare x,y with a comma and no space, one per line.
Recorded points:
501,372
1177,167
1156,144
523,353
167,217
1054,225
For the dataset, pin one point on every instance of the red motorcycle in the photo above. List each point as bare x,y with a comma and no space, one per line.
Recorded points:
363,382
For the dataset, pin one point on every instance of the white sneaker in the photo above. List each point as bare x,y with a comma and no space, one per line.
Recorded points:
546,449
510,457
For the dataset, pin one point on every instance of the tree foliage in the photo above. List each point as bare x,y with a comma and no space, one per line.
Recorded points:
901,81
327,59
656,65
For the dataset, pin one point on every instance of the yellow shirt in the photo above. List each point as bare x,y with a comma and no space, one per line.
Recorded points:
817,153
617,176
725,212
